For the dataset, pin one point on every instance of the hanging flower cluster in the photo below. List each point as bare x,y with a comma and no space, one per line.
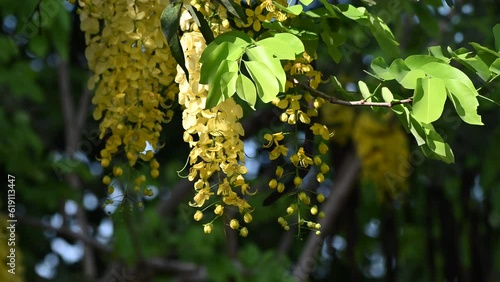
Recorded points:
133,74
300,108
136,81
217,152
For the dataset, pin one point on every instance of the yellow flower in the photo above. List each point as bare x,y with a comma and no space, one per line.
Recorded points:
244,232
278,151
322,130
198,215
200,198
234,224
219,210
301,159
254,18
247,217
207,228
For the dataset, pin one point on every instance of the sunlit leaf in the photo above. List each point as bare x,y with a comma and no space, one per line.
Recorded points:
293,43
429,99
495,66
436,147
404,75
211,61
265,82
260,54
474,63
228,84
464,99
365,92
437,52
381,69
460,89
387,94
215,94
246,90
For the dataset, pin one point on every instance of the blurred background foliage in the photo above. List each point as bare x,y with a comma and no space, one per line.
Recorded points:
444,226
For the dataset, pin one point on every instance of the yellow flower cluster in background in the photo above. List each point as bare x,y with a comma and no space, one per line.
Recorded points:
217,152
384,151
133,75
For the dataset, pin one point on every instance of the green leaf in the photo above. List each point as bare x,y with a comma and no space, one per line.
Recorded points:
399,69
481,50
387,94
437,52
384,37
292,42
382,33
461,90
306,2
417,61
444,71
215,95
365,92
296,9
246,90
333,49
438,149
321,12
496,34
339,89
234,9
200,20
260,54
330,8
475,64
236,38
266,84
211,60
333,40
228,84
275,45
169,25
495,66
405,76
464,99
429,99
351,12
381,69
410,123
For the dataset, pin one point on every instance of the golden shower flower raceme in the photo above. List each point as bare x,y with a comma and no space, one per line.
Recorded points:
133,74
217,151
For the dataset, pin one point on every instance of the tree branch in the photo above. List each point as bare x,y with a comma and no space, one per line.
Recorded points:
63,231
72,134
338,101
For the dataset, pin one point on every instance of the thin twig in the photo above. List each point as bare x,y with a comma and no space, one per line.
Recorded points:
338,101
